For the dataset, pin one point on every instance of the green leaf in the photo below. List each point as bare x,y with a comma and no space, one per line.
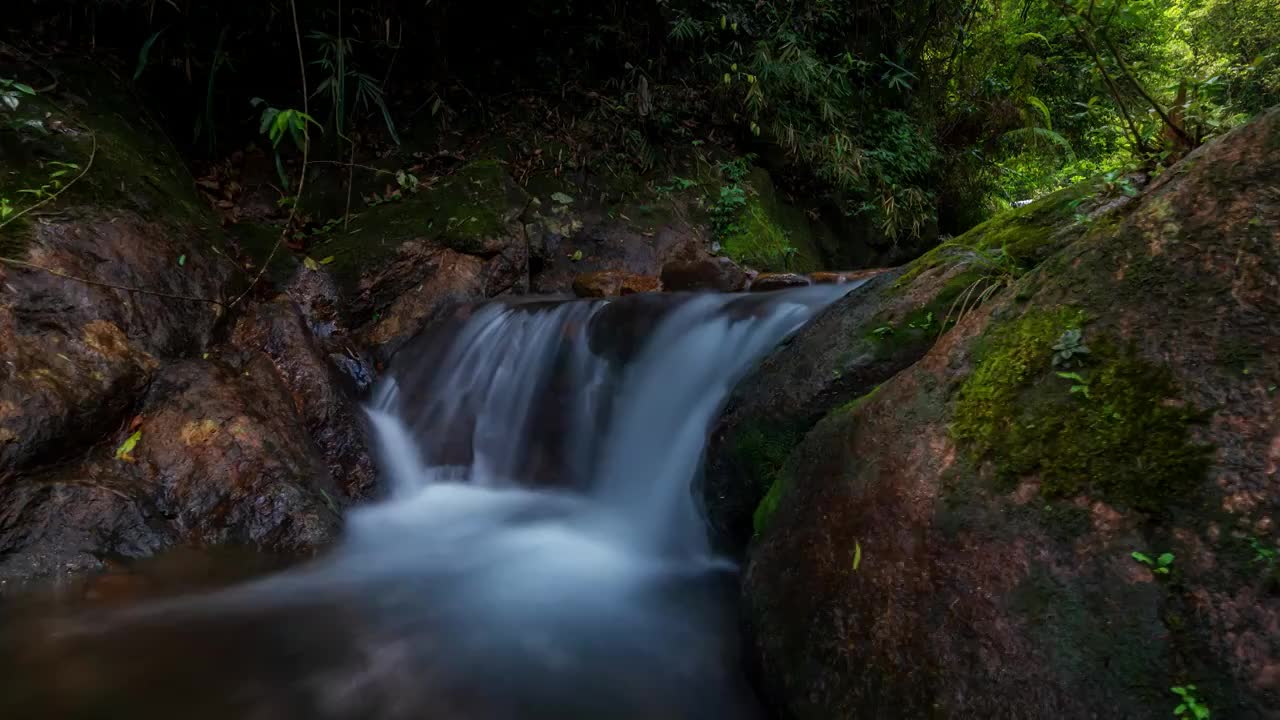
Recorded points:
857,554
126,448
24,89
1038,104
562,198
1145,560
182,260
1180,709
310,264
328,260
1165,559
576,256
145,53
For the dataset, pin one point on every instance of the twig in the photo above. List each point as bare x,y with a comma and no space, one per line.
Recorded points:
99,283
93,153
306,151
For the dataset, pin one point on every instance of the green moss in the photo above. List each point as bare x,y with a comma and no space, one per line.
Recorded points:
923,325
759,242
465,213
1126,439
769,235
1019,239
761,452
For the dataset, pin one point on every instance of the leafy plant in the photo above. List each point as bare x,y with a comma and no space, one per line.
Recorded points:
343,83
925,323
11,93
1190,706
278,124
1262,553
1081,385
1069,349
1159,565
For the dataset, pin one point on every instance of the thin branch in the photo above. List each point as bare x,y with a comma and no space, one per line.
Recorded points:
306,151
99,283
1124,68
93,153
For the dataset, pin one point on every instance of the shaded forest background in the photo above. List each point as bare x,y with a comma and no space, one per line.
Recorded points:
914,117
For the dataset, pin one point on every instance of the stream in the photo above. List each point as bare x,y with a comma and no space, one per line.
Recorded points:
539,552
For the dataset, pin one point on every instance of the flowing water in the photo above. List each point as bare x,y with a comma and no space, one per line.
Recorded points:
540,553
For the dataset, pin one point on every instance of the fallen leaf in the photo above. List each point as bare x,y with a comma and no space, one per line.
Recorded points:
310,263
857,554
328,260
124,452
562,198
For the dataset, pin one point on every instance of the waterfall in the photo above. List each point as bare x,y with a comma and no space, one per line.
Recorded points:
539,554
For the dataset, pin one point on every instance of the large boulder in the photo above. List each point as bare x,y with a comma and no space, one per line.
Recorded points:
960,542
73,353
880,328
217,454
116,439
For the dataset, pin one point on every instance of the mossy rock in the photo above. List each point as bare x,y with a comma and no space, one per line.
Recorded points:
770,235
474,211
1115,427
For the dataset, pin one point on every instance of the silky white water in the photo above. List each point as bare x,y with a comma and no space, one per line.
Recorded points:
540,552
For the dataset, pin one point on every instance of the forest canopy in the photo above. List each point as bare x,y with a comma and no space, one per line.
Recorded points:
913,116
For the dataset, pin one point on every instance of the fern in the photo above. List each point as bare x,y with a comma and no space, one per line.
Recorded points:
1035,137
1038,104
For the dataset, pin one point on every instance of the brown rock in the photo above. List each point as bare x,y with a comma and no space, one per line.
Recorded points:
901,576
73,355
765,282
221,457
613,283
835,278
703,271
320,392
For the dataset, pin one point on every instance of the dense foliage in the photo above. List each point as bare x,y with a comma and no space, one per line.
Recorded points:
907,117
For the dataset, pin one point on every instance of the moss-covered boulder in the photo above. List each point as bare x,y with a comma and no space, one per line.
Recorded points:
864,339
1068,506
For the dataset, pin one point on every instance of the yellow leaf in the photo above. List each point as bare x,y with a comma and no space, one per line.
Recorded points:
124,452
328,260
857,554
310,264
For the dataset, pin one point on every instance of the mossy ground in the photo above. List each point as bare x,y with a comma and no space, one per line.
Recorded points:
464,212
1125,437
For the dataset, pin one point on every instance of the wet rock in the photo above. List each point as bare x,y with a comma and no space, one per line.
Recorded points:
856,344
835,278
216,455
613,283
696,269
74,355
319,392
764,282
958,543
401,263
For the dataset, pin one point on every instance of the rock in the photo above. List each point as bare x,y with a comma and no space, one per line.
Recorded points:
695,269
764,282
958,542
402,262
327,408
835,278
220,456
612,283
73,355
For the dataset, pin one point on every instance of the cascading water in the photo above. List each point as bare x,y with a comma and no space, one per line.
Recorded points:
540,554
